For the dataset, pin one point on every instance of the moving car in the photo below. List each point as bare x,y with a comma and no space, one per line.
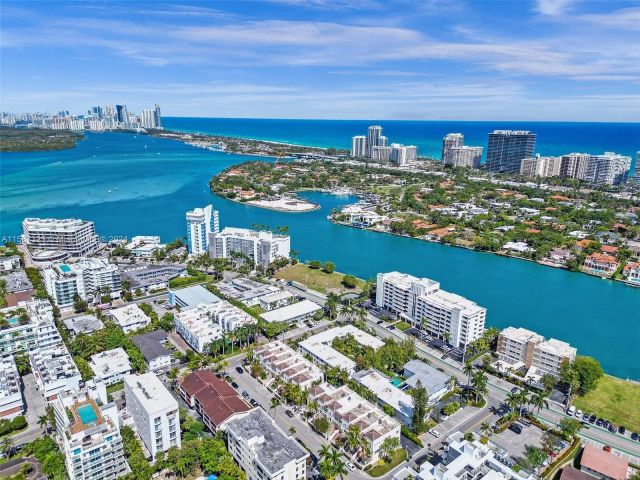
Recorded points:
351,466
239,369
434,432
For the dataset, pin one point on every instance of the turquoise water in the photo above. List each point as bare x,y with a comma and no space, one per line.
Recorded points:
128,190
87,414
396,382
65,268
13,321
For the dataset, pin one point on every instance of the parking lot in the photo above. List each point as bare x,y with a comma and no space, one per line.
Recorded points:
515,443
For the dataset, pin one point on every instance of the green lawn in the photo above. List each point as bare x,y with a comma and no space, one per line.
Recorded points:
115,387
316,279
402,326
383,467
614,399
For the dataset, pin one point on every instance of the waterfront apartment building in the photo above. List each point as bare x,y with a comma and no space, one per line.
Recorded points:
263,450
89,436
259,246
197,327
607,169
574,165
421,301
506,149
521,348
154,412
344,408
89,278
281,361
457,154
359,146
54,371
200,223
381,154
540,166
449,142
11,401
29,326
375,138
75,236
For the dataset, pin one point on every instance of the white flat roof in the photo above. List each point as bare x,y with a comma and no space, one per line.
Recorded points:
150,391
129,315
291,312
386,391
109,362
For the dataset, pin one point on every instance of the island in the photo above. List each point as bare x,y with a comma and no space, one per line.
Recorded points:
37,139
579,229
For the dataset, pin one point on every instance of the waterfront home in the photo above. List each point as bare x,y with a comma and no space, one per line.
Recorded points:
635,249
632,272
560,256
600,264
519,247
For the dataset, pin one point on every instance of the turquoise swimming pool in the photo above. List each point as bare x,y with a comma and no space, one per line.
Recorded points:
87,414
65,268
396,382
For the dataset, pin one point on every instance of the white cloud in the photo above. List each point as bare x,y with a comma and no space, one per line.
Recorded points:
554,7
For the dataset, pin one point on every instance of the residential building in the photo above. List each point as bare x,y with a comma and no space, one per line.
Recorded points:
154,412
399,154
110,366
191,297
77,237
9,263
200,223
387,393
83,324
276,300
54,371
149,277
121,114
374,138
89,435
263,450
506,148
281,361
632,272
601,264
602,464
570,473
574,165
229,317
11,401
89,278
344,408
319,348
130,318
538,166
293,313
17,287
607,169
381,154
549,355
359,146
261,247
144,245
213,398
362,215
197,327
152,347
27,327
436,383
449,142
560,256
464,460
446,315
246,290
455,153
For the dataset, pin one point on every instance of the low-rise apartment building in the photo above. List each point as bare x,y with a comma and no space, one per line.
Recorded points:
191,297
246,290
89,436
446,315
276,300
11,401
27,327
263,450
197,327
436,383
149,277
154,412
152,348
130,318
280,360
344,408
259,246
110,366
387,393
54,371
550,354
292,313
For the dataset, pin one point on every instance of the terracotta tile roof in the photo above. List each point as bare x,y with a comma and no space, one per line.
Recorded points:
609,249
583,243
570,473
602,258
605,463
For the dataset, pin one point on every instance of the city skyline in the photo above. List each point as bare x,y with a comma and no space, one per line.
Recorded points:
546,60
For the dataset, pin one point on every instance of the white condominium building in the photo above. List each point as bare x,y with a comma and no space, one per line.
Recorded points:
540,166
420,300
359,146
522,348
263,450
229,317
89,436
574,165
89,278
280,360
78,237
144,245
197,326
381,154
200,223
11,402
130,318
457,154
110,366
607,169
261,247
29,326
55,371
344,408
449,142
154,412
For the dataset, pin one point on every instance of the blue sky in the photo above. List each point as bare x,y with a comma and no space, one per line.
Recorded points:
432,59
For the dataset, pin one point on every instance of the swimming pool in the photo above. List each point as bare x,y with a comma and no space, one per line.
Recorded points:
396,382
87,414
65,268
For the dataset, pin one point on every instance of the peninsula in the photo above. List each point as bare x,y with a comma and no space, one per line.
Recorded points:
37,140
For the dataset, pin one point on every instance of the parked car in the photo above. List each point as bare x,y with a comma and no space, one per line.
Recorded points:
634,436
579,413
599,422
570,411
621,430
585,417
234,384
351,466
245,394
434,432
515,428
253,403
606,448
380,322
239,369
592,419
288,413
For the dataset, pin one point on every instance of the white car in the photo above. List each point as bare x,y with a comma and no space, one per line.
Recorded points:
571,411
351,466
579,414
434,432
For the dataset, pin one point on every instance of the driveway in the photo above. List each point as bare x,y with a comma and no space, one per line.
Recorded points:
515,443
36,406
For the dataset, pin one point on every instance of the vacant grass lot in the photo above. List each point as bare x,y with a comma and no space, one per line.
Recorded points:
615,400
383,467
317,279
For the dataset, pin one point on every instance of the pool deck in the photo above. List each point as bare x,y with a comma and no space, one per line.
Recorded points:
78,425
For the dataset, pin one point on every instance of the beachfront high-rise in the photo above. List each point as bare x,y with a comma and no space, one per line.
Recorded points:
200,223
359,146
607,169
374,138
75,236
450,141
376,146
540,166
507,148
455,153
574,165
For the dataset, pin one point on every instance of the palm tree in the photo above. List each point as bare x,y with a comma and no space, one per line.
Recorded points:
479,383
523,398
539,400
324,452
513,398
447,337
292,431
332,305
43,422
340,469
6,445
486,429
353,437
274,404
424,323
468,370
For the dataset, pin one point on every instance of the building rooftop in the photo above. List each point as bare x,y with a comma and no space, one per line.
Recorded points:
277,296
385,390
245,289
557,347
194,296
570,473
83,324
605,463
142,275
130,315
432,379
109,362
150,391
9,378
521,335
17,281
290,312
150,344
55,224
287,362
272,447
52,364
